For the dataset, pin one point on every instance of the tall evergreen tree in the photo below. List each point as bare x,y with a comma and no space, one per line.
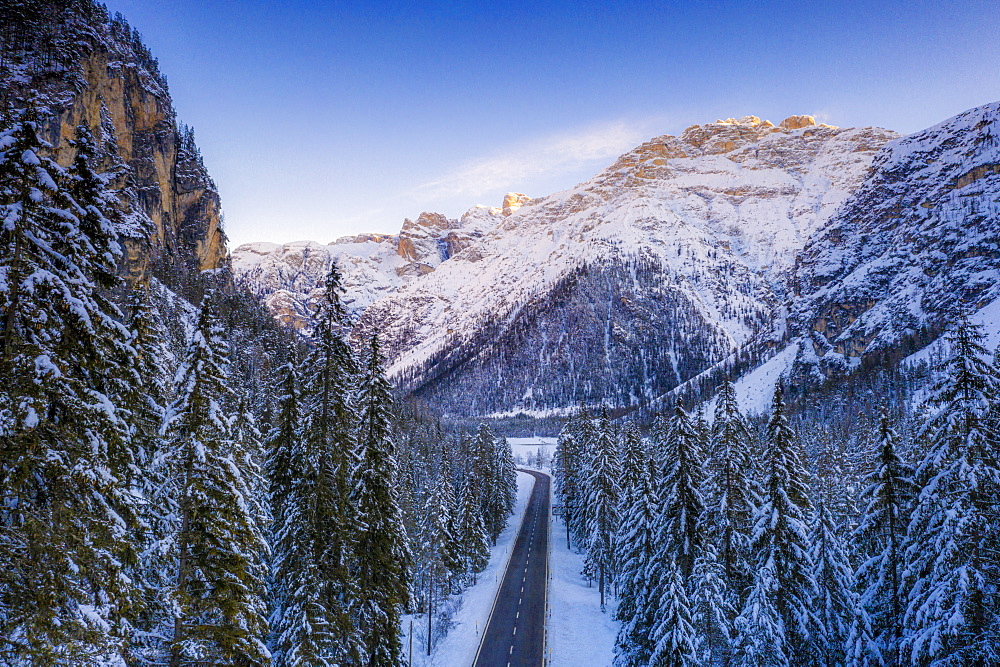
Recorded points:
681,502
316,524
66,466
218,596
834,608
439,552
888,497
585,436
731,491
382,564
953,611
146,400
567,474
473,541
602,500
636,546
487,471
675,642
712,610
780,540
760,636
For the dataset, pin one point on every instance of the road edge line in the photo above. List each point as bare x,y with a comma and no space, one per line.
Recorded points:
548,559
510,555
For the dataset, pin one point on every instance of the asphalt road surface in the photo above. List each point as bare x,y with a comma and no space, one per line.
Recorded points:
515,634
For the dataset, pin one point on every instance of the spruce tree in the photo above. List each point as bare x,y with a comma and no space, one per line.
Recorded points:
780,539
760,638
953,610
316,524
488,475
602,500
567,475
712,610
636,543
472,538
675,642
382,565
888,496
681,502
439,551
146,401
731,491
218,596
834,608
585,436
67,471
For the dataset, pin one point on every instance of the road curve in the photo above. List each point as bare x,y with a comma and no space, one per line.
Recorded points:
515,632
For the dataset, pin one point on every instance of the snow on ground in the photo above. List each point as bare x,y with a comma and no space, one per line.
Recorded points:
579,635
522,447
988,317
459,646
755,390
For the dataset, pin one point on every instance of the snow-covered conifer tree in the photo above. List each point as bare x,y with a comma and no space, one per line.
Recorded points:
834,608
731,492
382,564
759,632
674,639
636,546
472,537
953,610
602,499
679,533
568,477
888,496
67,471
218,595
780,539
712,608
316,524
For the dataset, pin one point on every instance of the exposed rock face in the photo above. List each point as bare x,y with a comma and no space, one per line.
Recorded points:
665,262
919,239
513,201
797,122
106,79
419,242
289,277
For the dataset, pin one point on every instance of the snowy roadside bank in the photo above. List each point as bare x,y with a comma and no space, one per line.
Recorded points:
458,647
579,634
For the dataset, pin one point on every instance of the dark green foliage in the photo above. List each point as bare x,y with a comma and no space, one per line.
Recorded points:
218,597
382,562
66,470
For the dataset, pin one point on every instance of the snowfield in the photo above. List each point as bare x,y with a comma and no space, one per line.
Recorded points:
579,635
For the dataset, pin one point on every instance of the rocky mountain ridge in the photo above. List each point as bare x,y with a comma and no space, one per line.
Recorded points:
918,242
613,292
289,277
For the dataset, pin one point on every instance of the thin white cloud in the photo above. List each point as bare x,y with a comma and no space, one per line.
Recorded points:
557,154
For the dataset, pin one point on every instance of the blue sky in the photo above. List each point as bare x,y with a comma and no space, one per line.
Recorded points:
320,119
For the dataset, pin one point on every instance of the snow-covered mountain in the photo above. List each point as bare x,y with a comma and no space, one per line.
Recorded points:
289,277
919,240
615,291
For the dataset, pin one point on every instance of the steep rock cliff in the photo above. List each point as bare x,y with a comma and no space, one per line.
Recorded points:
75,64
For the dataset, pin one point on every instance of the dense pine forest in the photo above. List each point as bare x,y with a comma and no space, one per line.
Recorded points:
183,481
855,525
